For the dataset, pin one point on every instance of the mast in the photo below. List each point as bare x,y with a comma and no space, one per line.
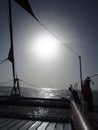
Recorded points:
15,90
11,40
80,66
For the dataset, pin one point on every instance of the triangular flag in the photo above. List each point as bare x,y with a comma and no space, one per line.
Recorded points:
10,55
25,4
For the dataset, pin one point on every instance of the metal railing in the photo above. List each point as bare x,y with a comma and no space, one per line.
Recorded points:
80,118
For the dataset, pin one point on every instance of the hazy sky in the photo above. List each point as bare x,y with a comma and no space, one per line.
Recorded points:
74,21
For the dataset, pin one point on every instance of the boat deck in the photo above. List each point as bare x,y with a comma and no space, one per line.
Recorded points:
18,124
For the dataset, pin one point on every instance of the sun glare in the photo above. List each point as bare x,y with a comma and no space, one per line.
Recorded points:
45,47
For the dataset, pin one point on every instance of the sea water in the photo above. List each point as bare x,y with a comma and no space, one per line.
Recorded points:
49,93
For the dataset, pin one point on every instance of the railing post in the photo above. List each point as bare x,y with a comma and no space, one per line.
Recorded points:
81,119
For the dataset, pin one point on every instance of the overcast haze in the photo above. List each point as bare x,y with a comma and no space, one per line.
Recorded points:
73,21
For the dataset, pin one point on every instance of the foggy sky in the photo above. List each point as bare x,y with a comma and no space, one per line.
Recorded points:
73,21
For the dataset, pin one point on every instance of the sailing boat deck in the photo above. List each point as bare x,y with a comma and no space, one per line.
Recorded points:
17,124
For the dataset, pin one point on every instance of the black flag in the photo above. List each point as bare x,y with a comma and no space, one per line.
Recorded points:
10,55
25,4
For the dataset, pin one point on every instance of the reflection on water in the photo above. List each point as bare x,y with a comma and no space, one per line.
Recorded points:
46,94
41,112
38,112
47,112
33,112
33,92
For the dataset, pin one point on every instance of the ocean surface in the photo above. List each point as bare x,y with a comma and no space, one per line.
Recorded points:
45,93
49,93
39,92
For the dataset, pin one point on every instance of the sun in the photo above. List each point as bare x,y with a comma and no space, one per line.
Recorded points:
45,47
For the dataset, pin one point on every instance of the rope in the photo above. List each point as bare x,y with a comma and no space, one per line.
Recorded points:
41,89
93,75
6,82
30,11
33,85
65,44
2,61
27,83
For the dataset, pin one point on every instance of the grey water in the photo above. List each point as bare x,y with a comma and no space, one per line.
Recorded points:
45,93
49,93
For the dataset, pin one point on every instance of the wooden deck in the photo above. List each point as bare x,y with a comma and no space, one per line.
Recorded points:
17,124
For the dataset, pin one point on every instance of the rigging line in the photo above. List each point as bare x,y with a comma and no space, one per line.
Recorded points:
30,11
2,61
7,13
29,84
59,39
93,75
34,85
38,88
65,44
6,82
